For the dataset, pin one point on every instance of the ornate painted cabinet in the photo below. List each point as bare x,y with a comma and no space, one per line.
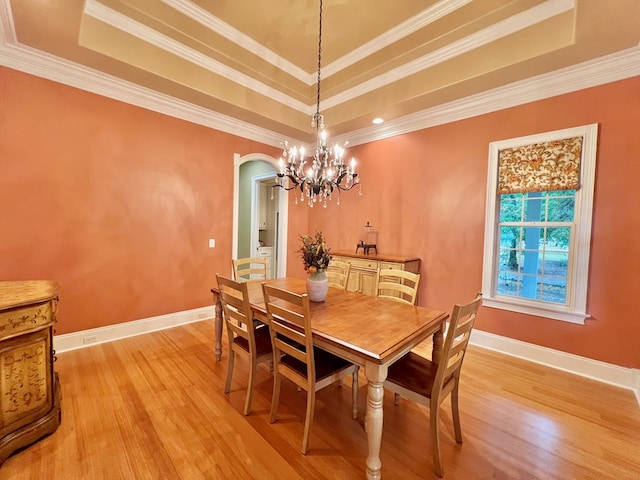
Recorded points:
29,387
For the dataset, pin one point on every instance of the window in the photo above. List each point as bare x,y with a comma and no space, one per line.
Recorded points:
538,223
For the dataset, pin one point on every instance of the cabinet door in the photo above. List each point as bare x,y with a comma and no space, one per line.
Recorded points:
354,281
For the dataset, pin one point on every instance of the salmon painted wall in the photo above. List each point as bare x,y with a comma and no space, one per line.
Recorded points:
425,193
114,202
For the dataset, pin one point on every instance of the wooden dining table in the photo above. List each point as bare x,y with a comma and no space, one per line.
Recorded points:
368,331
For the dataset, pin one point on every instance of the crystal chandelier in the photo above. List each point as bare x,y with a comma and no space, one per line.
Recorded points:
326,172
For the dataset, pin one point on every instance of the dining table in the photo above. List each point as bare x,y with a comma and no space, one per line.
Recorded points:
370,332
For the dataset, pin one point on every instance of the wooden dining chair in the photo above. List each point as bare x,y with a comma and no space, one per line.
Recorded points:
296,359
338,274
250,268
429,383
397,285
246,336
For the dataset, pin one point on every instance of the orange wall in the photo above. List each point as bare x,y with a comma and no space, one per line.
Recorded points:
116,203
425,192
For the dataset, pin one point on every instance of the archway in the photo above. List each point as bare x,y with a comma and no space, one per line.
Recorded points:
283,209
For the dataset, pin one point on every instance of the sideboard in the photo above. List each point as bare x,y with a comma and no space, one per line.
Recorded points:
29,387
364,268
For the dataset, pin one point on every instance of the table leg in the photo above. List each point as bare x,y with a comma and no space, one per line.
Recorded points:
438,342
218,325
376,374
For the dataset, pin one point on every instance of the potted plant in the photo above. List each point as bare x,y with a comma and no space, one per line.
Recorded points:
315,258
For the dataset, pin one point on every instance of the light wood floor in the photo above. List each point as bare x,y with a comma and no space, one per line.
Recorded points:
152,407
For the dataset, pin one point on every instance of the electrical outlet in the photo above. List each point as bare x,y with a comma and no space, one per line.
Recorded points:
90,339
212,243
202,315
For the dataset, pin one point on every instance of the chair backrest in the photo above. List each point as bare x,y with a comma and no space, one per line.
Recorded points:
338,274
455,345
236,310
250,268
289,320
397,285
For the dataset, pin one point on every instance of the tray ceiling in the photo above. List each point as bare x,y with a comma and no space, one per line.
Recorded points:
254,62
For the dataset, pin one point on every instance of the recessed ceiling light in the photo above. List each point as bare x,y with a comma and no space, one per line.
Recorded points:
377,121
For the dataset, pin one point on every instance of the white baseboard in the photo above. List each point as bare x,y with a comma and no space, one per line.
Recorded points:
87,338
628,378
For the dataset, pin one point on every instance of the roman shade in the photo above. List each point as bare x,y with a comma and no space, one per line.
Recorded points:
540,167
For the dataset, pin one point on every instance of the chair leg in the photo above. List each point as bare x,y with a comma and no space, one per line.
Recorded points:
311,406
434,417
227,386
249,397
396,399
275,398
354,388
456,414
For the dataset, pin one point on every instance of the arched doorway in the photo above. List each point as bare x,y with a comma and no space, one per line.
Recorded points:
279,210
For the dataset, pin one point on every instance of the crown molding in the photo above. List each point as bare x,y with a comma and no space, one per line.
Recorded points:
406,28
127,25
506,27
611,68
603,70
213,23
490,34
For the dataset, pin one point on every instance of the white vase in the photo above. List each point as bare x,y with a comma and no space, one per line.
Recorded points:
317,286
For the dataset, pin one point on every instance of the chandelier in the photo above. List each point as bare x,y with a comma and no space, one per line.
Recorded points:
326,171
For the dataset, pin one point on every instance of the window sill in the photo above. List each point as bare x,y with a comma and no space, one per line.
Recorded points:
564,315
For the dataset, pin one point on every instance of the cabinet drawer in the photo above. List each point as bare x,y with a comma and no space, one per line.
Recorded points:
22,319
363,263
392,265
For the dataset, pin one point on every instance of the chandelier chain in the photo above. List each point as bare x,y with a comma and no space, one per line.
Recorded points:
319,61
325,172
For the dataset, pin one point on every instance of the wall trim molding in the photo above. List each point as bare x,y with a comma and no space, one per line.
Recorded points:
615,375
628,378
109,333
610,68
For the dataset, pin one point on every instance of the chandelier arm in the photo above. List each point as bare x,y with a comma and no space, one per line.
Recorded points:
346,189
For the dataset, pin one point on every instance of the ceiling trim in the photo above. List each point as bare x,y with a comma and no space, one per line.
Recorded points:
501,29
506,27
607,69
599,71
213,23
29,60
127,25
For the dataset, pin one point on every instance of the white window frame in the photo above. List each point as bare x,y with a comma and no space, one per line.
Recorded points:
577,281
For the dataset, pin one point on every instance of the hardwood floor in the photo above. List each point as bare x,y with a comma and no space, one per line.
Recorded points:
153,407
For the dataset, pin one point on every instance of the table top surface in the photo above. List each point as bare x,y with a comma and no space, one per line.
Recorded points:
375,329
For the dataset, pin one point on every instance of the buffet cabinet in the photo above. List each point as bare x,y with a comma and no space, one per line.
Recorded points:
364,268
29,388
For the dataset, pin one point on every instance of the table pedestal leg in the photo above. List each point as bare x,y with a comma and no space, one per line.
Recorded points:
376,375
438,342
218,325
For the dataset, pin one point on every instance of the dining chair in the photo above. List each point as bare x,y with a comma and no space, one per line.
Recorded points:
295,357
429,383
250,268
399,285
246,336
338,274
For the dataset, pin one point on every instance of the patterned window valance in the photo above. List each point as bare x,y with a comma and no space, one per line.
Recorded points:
540,167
